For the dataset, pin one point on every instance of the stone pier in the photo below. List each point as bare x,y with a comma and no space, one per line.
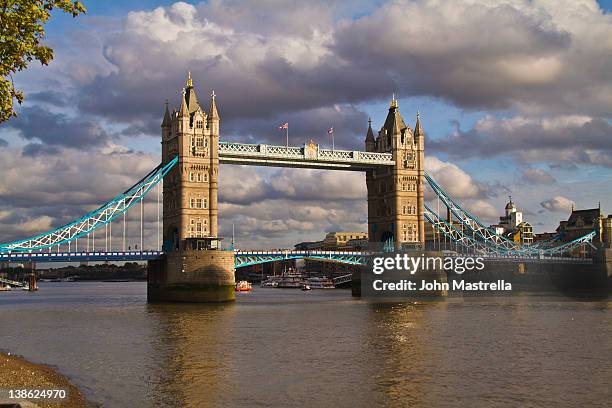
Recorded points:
192,276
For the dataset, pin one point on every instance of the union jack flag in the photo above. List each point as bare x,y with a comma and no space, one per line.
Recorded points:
284,126
330,130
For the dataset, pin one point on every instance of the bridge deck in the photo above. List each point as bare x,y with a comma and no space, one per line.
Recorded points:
245,257
309,156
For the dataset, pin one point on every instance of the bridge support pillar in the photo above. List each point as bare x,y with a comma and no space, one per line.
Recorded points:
196,276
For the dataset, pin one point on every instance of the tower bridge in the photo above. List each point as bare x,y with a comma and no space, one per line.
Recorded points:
190,264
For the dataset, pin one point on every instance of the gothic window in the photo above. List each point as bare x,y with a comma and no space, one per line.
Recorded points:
205,203
192,176
199,177
205,177
198,203
200,142
199,124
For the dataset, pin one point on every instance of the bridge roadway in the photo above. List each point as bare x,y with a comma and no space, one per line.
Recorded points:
243,258
252,257
309,156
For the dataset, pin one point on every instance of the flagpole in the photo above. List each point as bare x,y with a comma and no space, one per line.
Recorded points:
287,145
333,145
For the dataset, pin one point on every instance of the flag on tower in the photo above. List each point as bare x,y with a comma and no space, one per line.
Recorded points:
284,126
330,130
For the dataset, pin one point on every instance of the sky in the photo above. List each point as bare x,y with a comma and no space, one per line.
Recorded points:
515,99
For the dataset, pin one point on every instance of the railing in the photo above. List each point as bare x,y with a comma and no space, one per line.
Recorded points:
342,279
76,256
12,283
307,156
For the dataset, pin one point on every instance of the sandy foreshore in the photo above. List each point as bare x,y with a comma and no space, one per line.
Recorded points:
18,373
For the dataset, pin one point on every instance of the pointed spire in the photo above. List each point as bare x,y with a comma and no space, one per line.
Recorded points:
191,99
370,134
213,114
166,121
393,102
394,124
418,130
183,111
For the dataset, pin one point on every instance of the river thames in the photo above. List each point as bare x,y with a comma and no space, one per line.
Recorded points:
276,347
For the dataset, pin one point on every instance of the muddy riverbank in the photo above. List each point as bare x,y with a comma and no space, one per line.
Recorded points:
17,373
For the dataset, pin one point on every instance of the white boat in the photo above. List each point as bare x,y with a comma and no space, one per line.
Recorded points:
6,288
306,287
320,283
290,278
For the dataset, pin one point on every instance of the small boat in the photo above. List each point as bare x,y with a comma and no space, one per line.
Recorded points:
306,287
6,288
320,283
243,286
269,284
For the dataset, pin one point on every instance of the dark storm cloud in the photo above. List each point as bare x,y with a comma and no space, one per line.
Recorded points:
39,149
50,97
555,140
475,54
349,123
39,124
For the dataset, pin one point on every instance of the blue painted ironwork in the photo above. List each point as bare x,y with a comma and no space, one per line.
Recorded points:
484,239
486,247
80,256
247,258
95,219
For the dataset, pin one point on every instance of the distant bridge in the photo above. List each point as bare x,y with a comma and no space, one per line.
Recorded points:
244,258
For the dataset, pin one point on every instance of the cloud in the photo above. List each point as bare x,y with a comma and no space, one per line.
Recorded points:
560,140
534,61
537,176
40,125
50,190
307,57
456,182
558,204
314,65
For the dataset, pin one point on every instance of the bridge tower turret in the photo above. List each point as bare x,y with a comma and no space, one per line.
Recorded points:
193,267
190,189
395,194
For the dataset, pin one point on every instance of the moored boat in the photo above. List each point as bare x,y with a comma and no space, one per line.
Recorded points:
320,283
243,286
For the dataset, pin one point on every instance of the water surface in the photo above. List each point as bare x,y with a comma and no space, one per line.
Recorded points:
276,347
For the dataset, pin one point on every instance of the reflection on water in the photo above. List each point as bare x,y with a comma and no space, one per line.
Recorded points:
278,347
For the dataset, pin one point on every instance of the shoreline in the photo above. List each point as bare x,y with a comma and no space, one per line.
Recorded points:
18,373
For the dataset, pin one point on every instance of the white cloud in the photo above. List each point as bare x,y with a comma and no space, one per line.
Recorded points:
558,204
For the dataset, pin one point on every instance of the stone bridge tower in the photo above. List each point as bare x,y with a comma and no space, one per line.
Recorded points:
193,267
190,189
395,194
